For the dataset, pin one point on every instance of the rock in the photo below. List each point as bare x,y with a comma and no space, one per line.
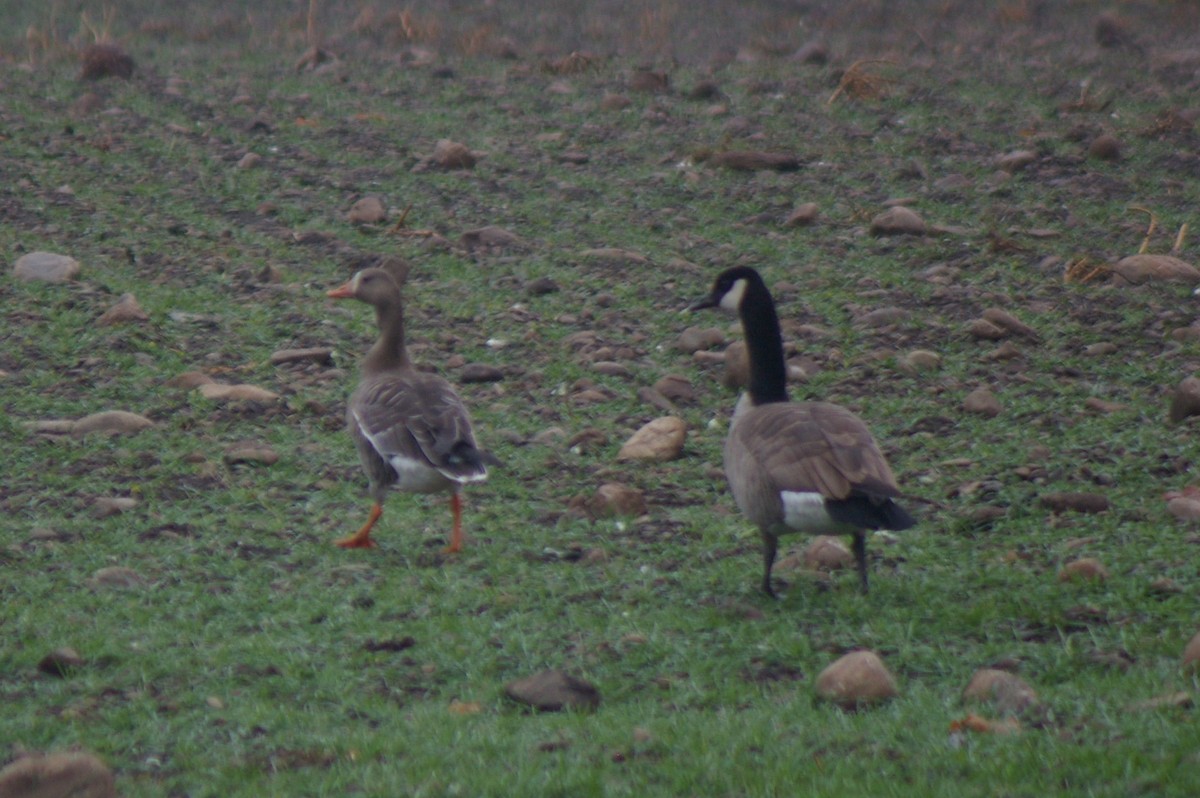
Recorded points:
1075,501
449,154
219,392
645,80
480,372
828,553
541,286
676,389
1191,654
1016,160
1005,351
51,426
1097,405
1007,692
616,255
321,355
549,436
657,400
126,310
1105,148
249,160
59,663
693,339
986,330
881,317
1112,30
660,440
614,499
898,221
1164,586
46,267
116,576
737,366
1186,400
1100,349
189,380
108,506
586,440
1005,320
815,52
920,361
111,422
982,402
1086,569
1138,269
104,60
553,690
250,452
611,368
802,215
856,680
368,210
749,161
704,90
59,775
489,238
1185,508
615,102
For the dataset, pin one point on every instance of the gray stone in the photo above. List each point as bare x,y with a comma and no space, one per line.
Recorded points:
47,267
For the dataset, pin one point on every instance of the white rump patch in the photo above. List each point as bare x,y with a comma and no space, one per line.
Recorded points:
732,299
415,476
480,477
805,512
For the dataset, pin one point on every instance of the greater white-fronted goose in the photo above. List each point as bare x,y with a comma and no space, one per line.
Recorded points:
410,427
797,466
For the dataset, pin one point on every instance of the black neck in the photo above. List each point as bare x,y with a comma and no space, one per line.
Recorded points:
764,343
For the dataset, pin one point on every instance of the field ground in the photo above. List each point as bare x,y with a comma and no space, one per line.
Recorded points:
239,653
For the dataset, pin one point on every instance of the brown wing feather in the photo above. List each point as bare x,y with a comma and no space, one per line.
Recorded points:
414,415
815,446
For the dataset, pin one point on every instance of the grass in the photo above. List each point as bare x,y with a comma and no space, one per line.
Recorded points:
255,658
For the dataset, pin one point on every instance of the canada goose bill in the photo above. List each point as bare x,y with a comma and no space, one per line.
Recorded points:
810,467
410,428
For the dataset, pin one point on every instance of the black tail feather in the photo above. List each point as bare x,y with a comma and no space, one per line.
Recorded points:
870,512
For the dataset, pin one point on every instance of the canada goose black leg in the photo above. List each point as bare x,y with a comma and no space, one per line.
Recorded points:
770,542
860,557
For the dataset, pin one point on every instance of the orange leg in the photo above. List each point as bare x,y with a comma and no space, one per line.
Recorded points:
362,538
456,536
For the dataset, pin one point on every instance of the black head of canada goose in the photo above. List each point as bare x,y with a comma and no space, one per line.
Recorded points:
797,466
410,427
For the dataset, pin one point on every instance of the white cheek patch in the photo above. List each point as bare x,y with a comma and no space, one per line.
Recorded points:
805,512
733,297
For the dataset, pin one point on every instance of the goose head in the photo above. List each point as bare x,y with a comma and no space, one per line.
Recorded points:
729,289
373,286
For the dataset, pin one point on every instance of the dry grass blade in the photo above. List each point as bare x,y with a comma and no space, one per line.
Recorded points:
1149,230
101,33
860,83
574,64
1083,270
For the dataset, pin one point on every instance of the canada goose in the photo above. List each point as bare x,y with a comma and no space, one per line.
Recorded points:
797,466
411,429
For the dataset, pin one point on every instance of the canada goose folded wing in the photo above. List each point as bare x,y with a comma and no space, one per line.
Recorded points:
816,447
